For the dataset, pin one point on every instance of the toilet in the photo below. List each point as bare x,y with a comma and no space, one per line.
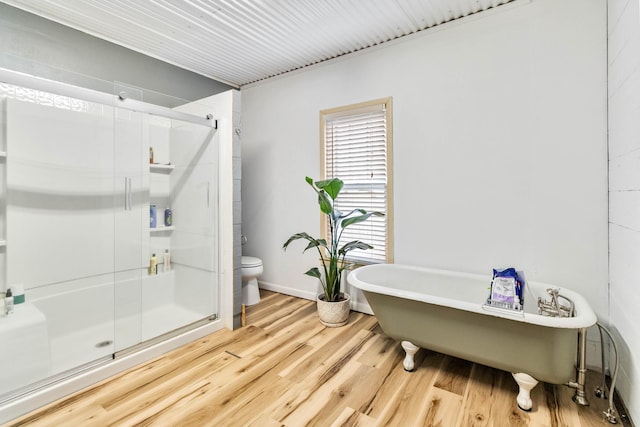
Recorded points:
251,269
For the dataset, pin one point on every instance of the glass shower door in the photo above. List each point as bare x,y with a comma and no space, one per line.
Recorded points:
59,234
131,192
183,287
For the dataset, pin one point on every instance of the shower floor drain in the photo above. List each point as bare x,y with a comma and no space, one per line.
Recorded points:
104,343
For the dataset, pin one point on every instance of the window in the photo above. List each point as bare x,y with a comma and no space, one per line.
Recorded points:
356,147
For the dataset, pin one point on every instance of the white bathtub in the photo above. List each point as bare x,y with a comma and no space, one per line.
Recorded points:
443,311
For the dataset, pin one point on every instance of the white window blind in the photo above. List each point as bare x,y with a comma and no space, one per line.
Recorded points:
356,151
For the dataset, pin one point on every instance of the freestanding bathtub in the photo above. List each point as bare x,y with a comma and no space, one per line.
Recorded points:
443,311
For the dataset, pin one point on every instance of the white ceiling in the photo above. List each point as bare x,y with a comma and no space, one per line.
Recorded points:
242,41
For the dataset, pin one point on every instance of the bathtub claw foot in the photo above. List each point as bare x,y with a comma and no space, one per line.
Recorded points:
410,350
526,382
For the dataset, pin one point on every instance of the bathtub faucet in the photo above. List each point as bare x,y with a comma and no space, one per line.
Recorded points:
555,308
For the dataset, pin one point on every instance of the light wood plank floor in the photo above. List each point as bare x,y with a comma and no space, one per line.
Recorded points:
285,369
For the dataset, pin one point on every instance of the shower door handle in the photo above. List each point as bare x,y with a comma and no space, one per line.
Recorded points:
127,194
208,192
130,198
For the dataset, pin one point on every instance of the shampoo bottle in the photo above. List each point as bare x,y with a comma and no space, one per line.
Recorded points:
152,216
8,301
153,265
167,260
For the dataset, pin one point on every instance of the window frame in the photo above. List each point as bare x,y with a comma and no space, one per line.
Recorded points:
354,109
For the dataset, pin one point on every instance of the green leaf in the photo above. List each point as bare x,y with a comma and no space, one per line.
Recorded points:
316,243
314,272
331,186
303,236
336,217
347,215
356,219
326,204
355,244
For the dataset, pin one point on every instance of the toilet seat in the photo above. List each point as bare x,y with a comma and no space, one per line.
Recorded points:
249,261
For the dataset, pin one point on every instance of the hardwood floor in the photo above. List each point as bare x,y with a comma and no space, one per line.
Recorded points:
286,369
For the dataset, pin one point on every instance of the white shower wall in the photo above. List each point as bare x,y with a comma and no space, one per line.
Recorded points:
60,188
624,193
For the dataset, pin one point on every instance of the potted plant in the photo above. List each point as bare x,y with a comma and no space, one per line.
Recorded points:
333,304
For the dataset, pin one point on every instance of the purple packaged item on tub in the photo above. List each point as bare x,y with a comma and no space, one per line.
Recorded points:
506,289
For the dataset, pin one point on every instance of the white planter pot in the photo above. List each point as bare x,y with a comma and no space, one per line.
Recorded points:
334,314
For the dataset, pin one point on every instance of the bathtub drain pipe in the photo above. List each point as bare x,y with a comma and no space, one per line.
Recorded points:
609,414
580,396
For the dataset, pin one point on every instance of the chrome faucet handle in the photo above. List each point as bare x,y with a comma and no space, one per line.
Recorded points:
553,291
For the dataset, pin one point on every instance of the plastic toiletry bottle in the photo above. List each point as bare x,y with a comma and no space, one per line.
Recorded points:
168,217
153,265
18,293
167,260
152,216
8,301
151,155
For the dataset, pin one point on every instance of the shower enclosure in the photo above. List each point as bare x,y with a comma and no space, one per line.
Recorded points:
78,187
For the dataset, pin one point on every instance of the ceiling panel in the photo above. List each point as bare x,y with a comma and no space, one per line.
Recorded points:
243,41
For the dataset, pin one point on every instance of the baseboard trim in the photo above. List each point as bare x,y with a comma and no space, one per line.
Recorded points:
287,290
356,305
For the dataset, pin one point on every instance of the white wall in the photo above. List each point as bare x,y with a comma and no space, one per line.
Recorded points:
499,147
624,196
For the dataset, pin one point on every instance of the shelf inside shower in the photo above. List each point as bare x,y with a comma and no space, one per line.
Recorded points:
163,228
158,168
